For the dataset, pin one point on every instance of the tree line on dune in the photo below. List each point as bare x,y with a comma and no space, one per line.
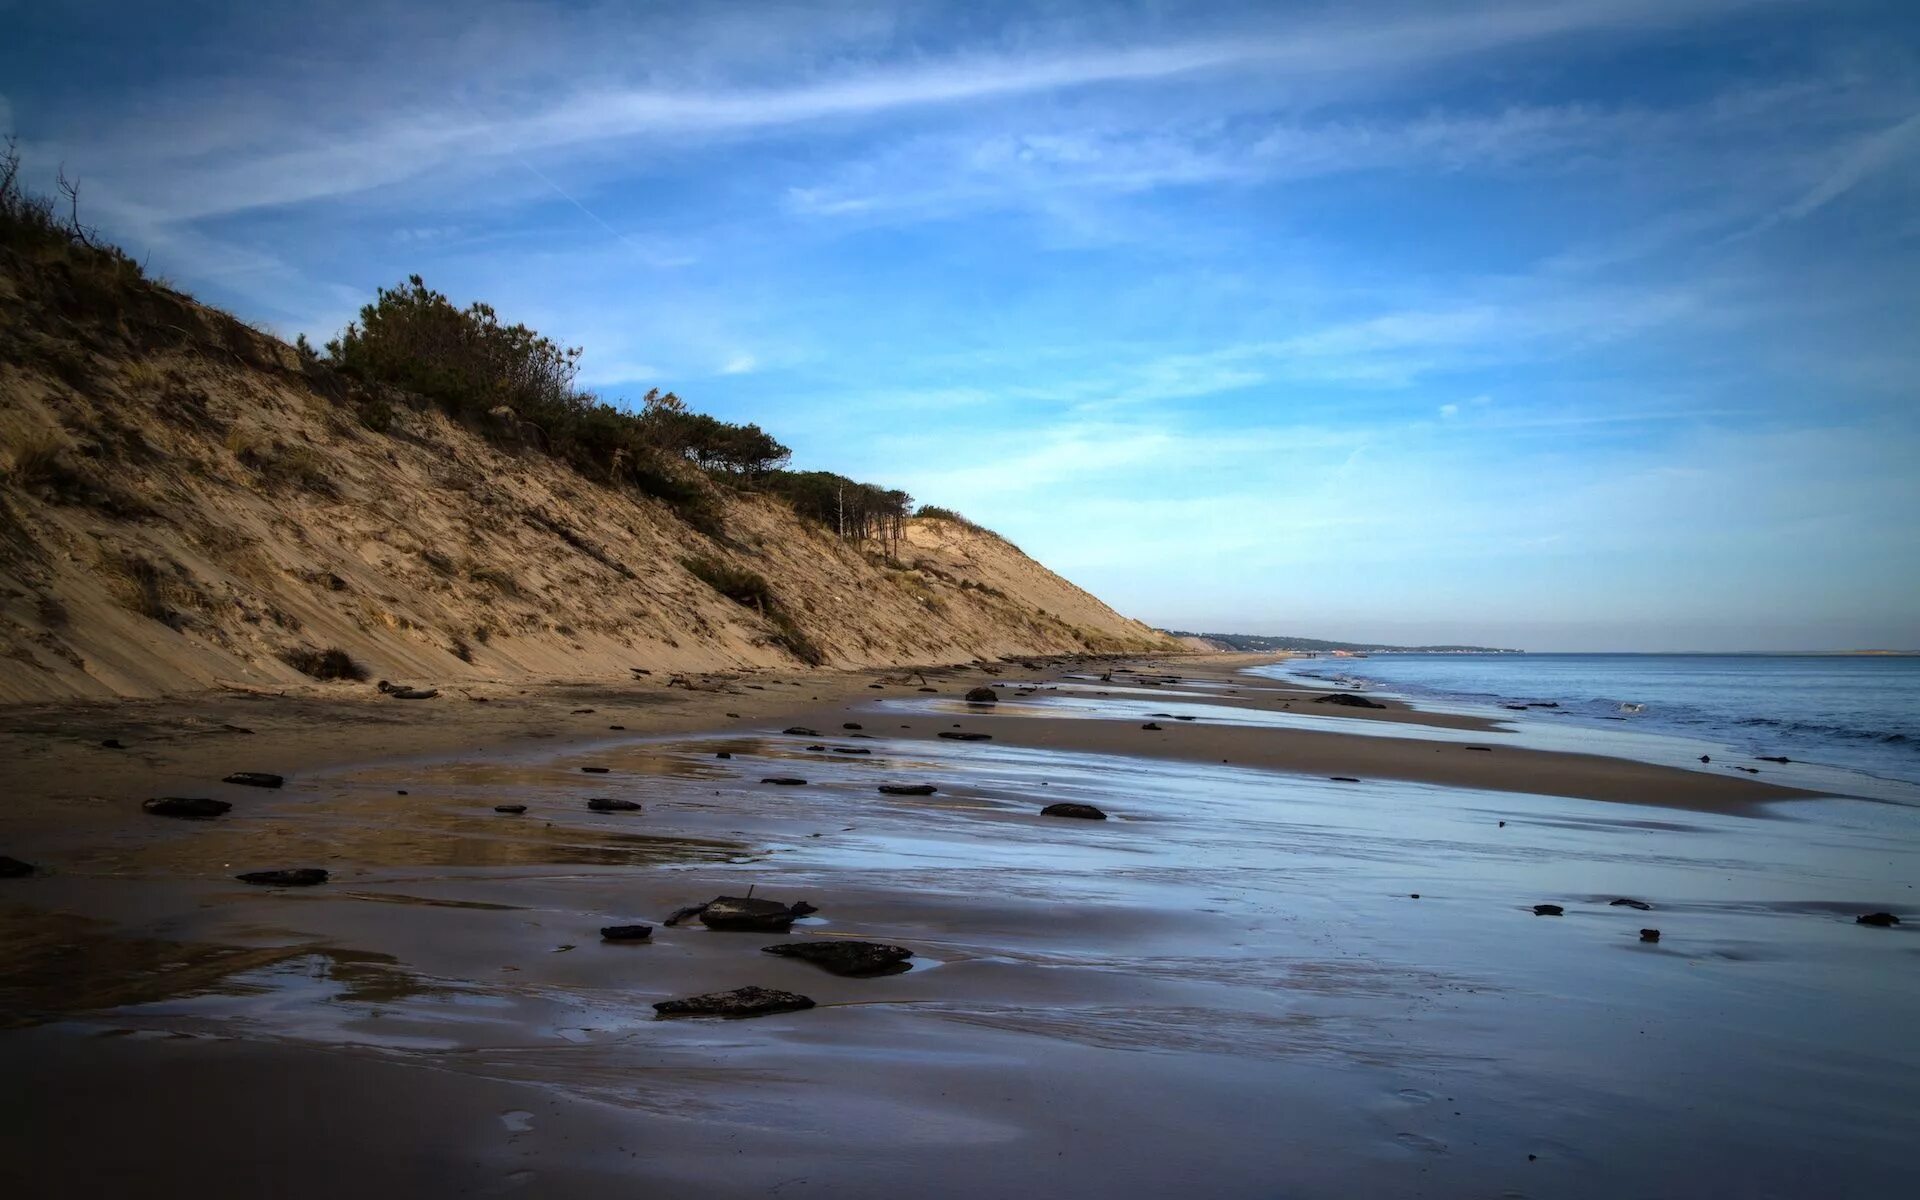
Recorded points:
515,384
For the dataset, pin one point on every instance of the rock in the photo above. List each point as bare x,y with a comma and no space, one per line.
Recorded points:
1548,910
853,725
1085,812
785,780
13,868
581,711
800,731
402,692
966,737
851,750
1348,700
626,933
1881,919
724,754
845,957
1413,895
254,779
907,789
1649,935
1749,770
1623,902
1706,758
1183,718
194,808
740,1002
291,877
113,744
1482,749
822,748
618,728
681,914
510,808
748,914
983,695
1779,758
1151,727
596,770
1345,779
608,804
928,689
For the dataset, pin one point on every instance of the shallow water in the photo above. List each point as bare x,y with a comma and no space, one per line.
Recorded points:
1227,988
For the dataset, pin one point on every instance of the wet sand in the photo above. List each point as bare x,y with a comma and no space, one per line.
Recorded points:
1227,988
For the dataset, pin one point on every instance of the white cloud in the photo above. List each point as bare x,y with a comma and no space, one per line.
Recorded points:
1449,410
739,364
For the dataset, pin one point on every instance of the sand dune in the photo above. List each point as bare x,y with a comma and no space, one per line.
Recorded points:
187,504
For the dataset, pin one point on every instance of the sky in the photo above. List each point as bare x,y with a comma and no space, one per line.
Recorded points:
1557,324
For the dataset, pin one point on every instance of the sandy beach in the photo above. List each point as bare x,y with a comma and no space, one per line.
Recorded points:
1235,961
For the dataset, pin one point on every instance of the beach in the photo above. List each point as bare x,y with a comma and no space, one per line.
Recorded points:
1300,957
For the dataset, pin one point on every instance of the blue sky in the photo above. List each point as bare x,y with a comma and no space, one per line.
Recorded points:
1565,324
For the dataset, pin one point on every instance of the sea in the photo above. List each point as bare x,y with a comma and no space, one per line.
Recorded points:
1860,713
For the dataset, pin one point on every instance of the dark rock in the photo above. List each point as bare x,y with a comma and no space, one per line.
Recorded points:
851,750
255,779
936,690
291,877
596,770
1482,749
1183,718
605,804
966,737
785,780
821,748
13,868
1152,727
1085,812
853,725
1649,935
1348,700
983,695
907,789
194,808
1623,902
845,957
749,914
1547,910
1749,770
626,933
877,686
236,729
1343,779
740,1002
1515,707
113,744
1779,758
1881,919
1706,758
724,754
618,728
579,712
800,731
1413,895
510,808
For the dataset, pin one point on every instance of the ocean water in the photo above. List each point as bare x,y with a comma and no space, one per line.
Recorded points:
1855,712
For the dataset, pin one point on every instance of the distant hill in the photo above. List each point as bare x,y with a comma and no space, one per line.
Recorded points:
1261,642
